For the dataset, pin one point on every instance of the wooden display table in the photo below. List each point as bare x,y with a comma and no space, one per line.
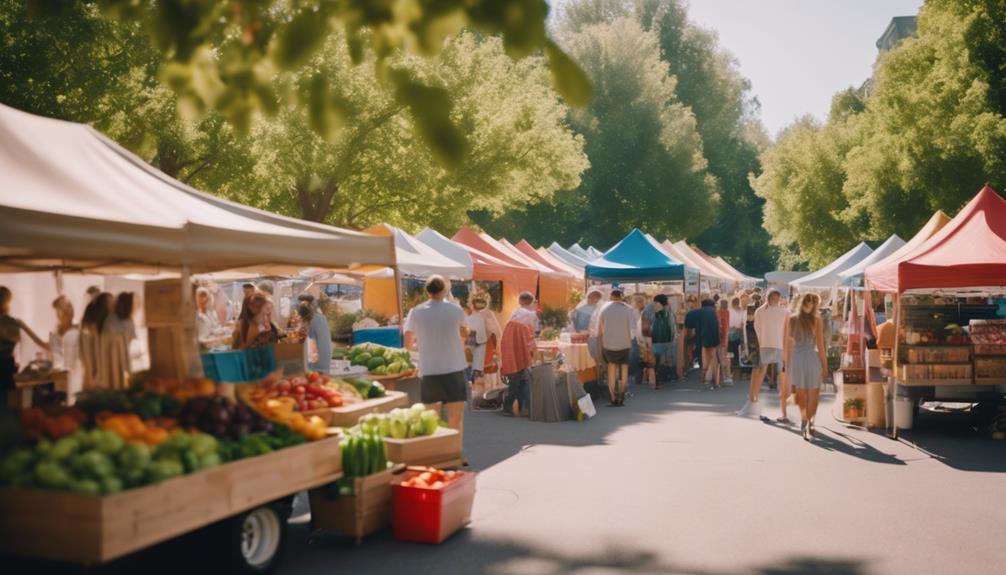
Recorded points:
64,526
26,384
442,449
349,415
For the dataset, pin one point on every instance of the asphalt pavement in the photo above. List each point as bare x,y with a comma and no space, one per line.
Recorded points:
675,483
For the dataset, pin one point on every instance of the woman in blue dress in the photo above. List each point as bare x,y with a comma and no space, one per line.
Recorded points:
806,360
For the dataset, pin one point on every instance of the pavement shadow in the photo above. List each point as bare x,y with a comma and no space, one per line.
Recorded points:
465,553
491,437
830,439
964,450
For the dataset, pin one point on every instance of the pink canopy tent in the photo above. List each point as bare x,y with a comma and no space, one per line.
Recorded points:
968,252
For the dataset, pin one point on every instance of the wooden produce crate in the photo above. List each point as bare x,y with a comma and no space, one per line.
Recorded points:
442,449
366,511
63,526
349,415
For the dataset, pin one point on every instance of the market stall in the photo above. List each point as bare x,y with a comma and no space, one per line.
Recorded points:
948,319
853,276
583,253
826,278
547,259
511,279
415,260
553,287
129,467
638,258
560,252
711,279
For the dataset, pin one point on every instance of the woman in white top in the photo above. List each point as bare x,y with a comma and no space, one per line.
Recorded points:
482,327
64,347
206,315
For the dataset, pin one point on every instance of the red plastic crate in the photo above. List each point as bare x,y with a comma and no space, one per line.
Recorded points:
432,515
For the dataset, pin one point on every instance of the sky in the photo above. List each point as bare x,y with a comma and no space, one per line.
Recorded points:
798,53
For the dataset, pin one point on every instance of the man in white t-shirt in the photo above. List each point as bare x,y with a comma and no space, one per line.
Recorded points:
437,330
617,329
769,324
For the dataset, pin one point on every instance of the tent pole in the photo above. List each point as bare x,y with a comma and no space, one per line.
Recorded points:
398,303
894,363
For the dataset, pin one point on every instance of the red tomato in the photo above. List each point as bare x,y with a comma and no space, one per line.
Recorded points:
314,376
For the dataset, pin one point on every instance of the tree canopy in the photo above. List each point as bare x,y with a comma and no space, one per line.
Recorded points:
706,86
357,167
929,134
222,55
373,169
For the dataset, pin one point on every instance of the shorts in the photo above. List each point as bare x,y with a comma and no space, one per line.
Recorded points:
445,387
617,356
769,355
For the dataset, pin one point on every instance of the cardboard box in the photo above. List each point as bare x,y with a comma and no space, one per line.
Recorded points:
442,449
366,511
432,515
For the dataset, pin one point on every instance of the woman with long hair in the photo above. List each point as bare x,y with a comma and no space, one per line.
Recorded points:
806,360
91,325
254,328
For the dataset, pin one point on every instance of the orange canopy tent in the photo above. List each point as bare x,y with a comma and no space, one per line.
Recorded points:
486,267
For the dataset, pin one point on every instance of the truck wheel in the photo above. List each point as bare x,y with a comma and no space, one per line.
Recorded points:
256,540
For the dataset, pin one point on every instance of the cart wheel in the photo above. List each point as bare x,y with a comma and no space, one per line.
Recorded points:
256,540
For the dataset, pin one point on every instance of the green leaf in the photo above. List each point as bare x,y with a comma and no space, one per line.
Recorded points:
299,39
568,79
431,109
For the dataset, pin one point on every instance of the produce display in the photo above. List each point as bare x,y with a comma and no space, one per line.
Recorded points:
221,417
282,410
363,452
416,421
309,392
182,389
432,478
367,389
38,423
259,443
98,462
146,404
130,427
989,336
380,360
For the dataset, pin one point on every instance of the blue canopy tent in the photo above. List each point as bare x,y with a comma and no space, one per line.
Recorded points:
638,258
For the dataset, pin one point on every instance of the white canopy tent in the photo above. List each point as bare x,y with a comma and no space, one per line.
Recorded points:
567,256
446,246
853,277
581,253
418,259
827,277
73,199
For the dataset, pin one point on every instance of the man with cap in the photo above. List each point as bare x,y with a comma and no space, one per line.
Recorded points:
616,333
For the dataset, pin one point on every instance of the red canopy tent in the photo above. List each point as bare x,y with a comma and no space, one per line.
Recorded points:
968,252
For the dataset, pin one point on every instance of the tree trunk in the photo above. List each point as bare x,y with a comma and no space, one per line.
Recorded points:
315,206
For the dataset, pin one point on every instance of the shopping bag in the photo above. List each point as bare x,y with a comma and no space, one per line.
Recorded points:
586,405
